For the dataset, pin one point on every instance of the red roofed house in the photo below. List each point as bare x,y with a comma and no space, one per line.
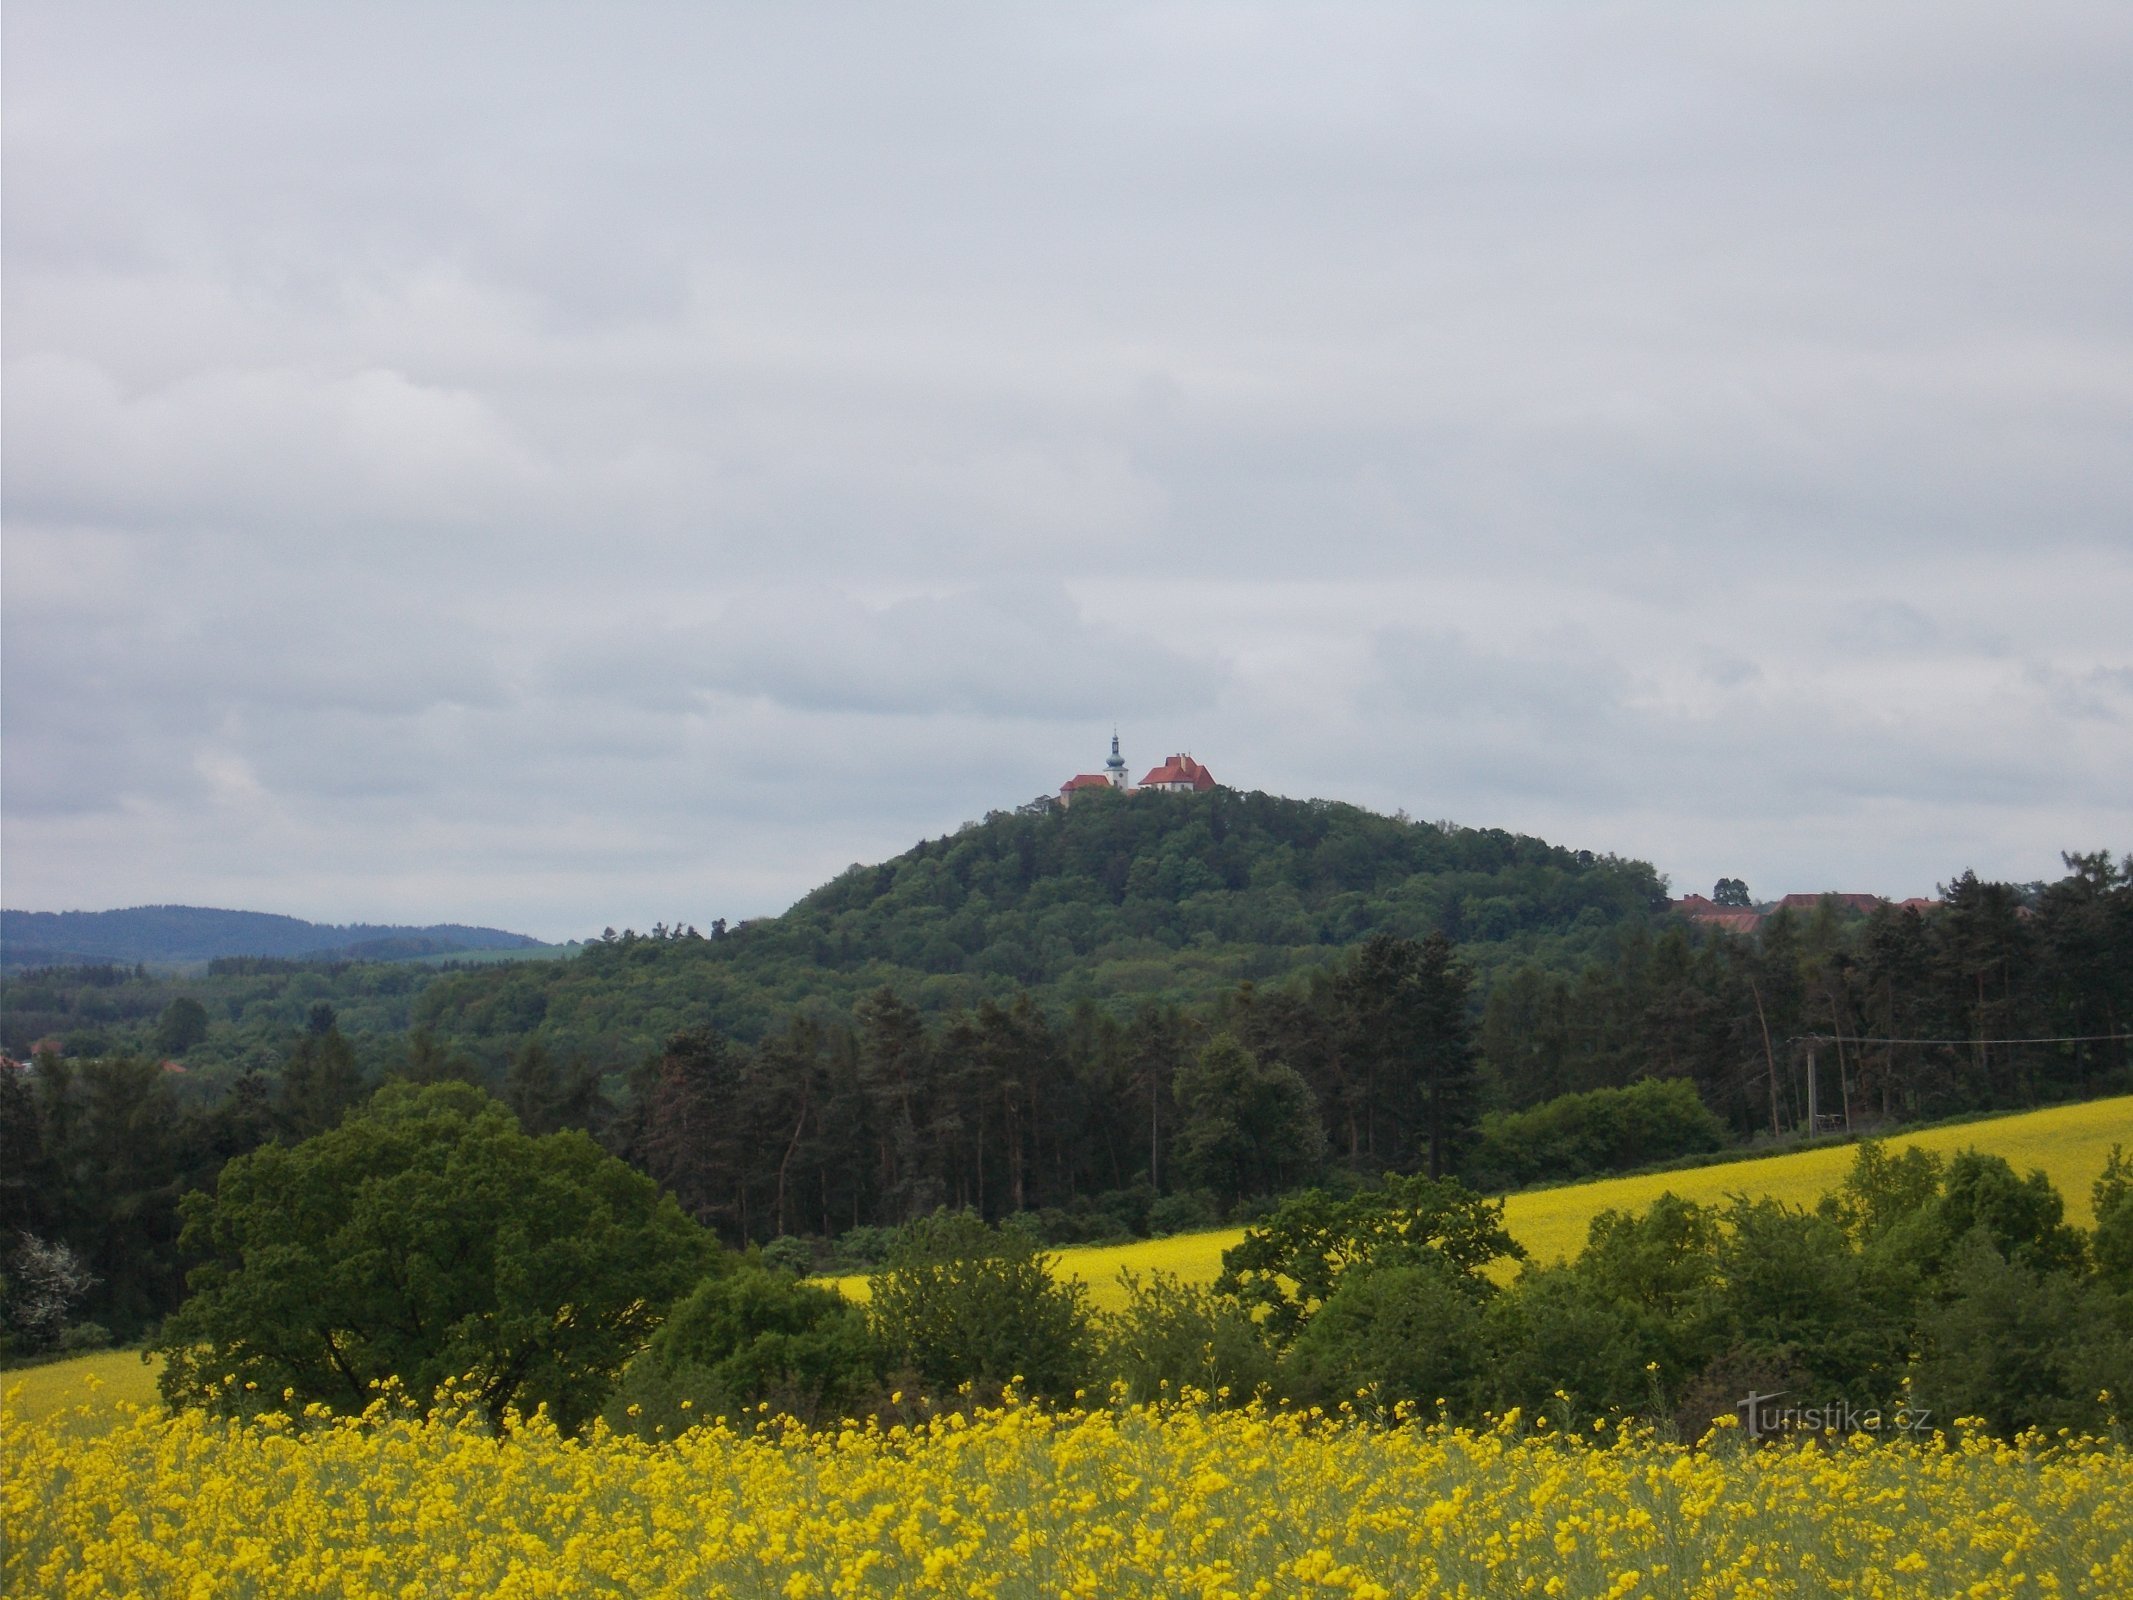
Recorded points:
1180,775
1699,909
1850,902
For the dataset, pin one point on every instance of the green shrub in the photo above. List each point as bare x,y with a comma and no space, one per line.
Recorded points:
1172,1336
1605,1130
789,1255
959,1302
1187,1211
1398,1333
748,1338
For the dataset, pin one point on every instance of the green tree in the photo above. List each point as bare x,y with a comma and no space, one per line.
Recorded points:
182,1025
1251,1127
1882,1191
1290,1265
548,1096
1409,1034
2023,1218
426,1239
2112,1242
2022,1348
319,1083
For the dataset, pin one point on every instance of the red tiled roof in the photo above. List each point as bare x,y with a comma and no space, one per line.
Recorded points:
1181,769
1807,902
1735,921
1085,780
1699,909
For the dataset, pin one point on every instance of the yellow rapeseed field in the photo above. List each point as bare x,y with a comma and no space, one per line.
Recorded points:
2070,1144
102,1382
1015,1502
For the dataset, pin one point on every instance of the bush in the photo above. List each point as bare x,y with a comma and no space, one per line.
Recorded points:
1173,1336
2023,1348
958,1302
868,1246
1403,1333
1113,1217
748,1337
1187,1211
1605,1130
789,1255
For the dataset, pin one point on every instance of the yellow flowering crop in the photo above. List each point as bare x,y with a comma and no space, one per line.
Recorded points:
1016,1502
2069,1143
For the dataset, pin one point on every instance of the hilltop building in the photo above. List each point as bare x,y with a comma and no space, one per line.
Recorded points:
1179,774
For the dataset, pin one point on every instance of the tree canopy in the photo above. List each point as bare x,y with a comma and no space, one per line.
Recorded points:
427,1239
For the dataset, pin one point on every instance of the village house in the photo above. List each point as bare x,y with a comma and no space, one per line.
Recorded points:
1735,919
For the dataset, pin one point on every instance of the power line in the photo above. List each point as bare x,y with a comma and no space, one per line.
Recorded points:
2063,1038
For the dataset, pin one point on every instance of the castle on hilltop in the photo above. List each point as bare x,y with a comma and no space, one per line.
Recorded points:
1178,774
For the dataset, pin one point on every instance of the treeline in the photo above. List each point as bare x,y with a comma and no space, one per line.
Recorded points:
1906,1012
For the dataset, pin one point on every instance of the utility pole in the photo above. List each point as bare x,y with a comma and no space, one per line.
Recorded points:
1813,1123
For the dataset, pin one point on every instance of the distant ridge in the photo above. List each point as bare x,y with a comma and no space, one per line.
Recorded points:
182,934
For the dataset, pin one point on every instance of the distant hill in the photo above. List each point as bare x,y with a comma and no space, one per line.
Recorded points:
1122,898
176,935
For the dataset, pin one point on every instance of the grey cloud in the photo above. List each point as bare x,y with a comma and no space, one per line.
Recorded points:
1011,651
1443,676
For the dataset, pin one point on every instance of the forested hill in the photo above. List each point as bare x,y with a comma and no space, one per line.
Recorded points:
190,934
1120,899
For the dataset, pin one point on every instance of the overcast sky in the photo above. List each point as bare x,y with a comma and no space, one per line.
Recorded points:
558,466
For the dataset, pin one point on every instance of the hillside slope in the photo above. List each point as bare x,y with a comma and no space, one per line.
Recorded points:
1121,899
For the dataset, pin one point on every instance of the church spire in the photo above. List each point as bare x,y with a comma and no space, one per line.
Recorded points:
1115,767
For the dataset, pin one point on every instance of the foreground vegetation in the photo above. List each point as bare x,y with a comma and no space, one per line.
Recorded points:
1154,1500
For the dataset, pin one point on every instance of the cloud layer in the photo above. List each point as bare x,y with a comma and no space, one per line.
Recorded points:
493,465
